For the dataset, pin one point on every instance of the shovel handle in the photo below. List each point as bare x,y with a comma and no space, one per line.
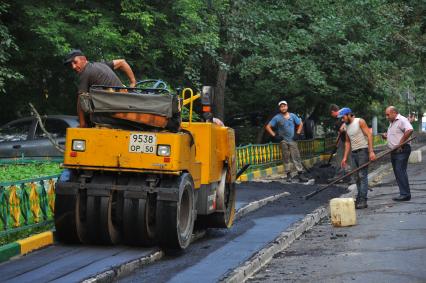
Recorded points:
242,170
335,148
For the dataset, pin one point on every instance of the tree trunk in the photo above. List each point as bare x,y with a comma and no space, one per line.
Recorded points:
419,119
219,97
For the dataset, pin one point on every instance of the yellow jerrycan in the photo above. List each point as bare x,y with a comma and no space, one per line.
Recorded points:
342,212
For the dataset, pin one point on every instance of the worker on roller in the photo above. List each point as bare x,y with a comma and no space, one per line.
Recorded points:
359,141
96,73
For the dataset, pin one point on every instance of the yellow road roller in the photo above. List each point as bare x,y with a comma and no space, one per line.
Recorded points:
139,175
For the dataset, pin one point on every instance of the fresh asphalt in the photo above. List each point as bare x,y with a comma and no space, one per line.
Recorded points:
387,245
221,249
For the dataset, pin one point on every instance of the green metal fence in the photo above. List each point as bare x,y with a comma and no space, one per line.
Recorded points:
26,203
264,155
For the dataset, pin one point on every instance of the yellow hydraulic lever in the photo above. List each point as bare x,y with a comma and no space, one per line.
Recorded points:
189,100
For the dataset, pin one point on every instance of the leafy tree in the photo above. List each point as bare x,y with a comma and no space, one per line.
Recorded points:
7,45
360,53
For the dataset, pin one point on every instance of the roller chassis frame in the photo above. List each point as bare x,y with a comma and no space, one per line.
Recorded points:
130,191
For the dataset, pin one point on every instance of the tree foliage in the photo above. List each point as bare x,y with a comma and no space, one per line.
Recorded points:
7,45
362,53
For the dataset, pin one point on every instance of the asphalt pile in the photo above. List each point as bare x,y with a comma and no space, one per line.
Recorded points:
322,172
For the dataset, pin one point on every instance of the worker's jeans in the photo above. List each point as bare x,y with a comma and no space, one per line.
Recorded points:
399,165
339,156
291,154
360,157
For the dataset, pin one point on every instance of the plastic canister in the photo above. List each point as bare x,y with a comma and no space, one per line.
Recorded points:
342,211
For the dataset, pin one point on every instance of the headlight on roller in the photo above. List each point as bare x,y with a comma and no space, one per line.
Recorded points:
78,145
163,150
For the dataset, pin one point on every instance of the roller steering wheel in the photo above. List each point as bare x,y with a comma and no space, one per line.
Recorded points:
157,86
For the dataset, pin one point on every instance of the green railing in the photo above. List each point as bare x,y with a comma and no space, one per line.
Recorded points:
264,155
26,203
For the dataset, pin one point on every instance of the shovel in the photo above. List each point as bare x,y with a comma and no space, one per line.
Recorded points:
378,156
332,153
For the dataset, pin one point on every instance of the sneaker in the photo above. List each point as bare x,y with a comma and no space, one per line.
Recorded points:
361,204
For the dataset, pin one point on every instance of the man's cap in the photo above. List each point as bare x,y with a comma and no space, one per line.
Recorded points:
282,102
70,56
344,111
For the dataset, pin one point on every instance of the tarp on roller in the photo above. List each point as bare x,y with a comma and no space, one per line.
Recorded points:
158,104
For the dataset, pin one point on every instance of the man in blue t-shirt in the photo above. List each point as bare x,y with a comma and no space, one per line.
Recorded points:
281,128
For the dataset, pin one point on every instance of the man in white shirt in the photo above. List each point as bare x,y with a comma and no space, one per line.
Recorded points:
399,131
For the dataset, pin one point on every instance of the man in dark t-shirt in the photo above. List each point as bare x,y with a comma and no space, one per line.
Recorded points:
96,73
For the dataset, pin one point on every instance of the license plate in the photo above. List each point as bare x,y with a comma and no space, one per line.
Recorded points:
143,143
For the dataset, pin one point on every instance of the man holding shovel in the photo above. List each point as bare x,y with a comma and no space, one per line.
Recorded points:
340,128
360,140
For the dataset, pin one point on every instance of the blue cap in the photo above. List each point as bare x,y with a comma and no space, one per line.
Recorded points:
344,111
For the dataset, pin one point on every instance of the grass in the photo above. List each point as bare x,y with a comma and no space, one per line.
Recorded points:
10,173
20,234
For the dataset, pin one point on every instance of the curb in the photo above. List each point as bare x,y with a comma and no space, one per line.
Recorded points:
262,257
124,269
255,205
260,173
26,245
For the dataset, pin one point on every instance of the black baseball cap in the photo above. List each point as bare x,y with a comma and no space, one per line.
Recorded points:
70,56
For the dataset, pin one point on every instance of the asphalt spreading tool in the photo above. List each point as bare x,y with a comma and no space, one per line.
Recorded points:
242,170
378,156
332,153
